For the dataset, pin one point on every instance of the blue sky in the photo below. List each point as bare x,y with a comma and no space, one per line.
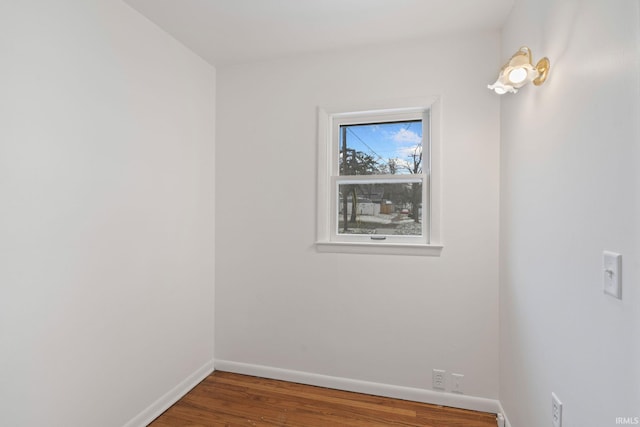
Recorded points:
386,141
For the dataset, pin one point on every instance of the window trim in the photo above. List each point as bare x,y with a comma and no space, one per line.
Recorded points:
430,108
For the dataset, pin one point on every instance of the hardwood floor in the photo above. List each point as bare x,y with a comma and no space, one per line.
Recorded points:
226,399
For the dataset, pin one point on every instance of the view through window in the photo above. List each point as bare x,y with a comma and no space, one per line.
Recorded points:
380,183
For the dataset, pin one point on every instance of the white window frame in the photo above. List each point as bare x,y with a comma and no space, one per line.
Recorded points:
329,122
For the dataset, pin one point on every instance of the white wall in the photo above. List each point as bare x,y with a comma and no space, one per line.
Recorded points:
384,319
106,219
569,190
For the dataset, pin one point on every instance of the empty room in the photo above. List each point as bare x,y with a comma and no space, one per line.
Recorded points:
320,213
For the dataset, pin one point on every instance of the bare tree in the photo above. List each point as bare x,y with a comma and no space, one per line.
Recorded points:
354,162
414,166
393,166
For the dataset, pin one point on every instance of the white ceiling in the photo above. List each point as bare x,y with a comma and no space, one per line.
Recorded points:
229,31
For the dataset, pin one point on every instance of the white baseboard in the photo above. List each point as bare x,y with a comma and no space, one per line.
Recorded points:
172,396
504,414
378,389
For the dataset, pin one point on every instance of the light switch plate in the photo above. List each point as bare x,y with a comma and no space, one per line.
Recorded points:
612,274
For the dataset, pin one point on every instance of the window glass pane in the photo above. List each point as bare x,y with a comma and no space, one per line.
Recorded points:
385,208
381,148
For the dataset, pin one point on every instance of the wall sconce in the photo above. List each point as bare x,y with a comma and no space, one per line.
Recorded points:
519,71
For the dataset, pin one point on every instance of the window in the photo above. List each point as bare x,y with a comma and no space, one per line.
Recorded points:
376,171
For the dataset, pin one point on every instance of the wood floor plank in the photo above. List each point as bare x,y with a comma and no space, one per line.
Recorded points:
328,399
226,399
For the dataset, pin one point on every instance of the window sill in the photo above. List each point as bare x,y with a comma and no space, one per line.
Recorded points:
376,248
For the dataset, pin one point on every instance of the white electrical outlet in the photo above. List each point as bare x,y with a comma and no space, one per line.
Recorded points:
456,383
439,380
556,411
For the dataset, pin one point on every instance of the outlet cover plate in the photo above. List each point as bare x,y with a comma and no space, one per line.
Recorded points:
439,381
556,411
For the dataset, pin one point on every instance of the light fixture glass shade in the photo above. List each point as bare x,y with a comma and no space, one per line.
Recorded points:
500,90
519,71
500,87
518,75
